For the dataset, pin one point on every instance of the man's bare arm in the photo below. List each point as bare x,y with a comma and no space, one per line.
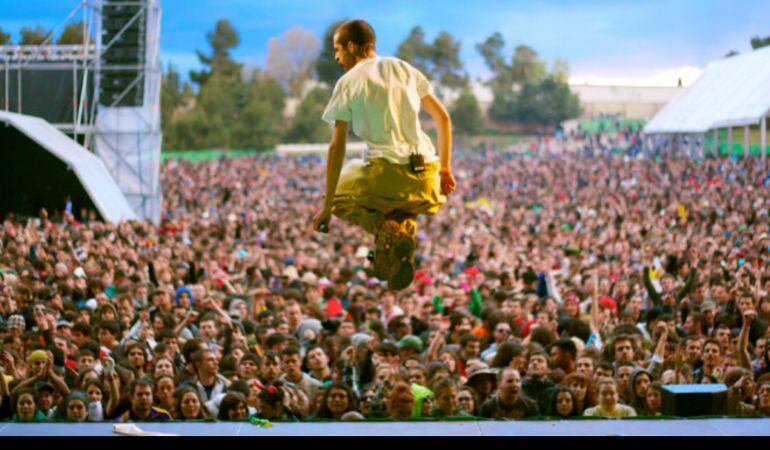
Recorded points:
443,122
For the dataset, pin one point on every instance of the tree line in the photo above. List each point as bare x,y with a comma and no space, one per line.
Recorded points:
71,35
231,104
243,107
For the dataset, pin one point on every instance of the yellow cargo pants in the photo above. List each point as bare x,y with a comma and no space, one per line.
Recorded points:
369,192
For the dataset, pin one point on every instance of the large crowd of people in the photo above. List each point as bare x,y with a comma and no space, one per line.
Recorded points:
557,284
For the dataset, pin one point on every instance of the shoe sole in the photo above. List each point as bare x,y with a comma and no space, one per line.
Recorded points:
404,254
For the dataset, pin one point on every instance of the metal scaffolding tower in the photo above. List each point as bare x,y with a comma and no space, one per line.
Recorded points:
114,77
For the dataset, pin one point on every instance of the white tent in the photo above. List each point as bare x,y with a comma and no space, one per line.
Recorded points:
734,91
89,169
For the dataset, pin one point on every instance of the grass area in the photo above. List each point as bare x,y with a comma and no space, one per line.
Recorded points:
202,155
609,125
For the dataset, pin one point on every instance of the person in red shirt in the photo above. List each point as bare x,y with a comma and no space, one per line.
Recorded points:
332,306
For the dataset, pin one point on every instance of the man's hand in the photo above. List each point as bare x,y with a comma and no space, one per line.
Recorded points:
42,374
8,363
448,183
40,321
748,316
192,316
322,220
660,349
348,355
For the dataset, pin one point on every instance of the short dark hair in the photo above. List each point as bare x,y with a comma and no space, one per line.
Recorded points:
190,347
466,338
620,338
290,350
271,355
112,326
626,364
197,357
604,365
455,319
534,353
139,382
715,342
566,346
358,32
84,352
386,347
82,328
274,339
443,384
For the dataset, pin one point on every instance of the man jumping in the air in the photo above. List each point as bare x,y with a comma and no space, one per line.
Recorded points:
399,176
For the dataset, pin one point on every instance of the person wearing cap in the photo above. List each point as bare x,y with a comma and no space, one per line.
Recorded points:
238,309
45,394
74,408
184,297
708,308
41,369
107,311
481,378
16,325
64,327
409,345
423,401
309,332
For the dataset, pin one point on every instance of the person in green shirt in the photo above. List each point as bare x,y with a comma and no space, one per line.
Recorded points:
25,407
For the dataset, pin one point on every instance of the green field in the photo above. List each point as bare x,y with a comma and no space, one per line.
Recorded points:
202,155
609,125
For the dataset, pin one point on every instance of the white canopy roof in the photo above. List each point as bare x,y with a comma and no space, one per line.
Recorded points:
732,92
89,169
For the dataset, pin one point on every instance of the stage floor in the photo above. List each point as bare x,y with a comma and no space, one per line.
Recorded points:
684,427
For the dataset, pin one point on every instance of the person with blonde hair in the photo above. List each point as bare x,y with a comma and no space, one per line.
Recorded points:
608,402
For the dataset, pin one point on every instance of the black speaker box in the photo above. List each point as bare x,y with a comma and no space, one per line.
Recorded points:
688,400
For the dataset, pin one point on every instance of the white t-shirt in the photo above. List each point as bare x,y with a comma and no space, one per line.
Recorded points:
381,97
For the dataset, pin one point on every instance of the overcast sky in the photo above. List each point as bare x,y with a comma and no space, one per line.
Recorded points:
620,40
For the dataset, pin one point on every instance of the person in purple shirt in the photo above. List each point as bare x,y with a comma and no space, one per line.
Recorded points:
141,409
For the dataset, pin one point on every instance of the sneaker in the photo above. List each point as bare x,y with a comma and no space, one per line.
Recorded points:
403,274
384,240
394,255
